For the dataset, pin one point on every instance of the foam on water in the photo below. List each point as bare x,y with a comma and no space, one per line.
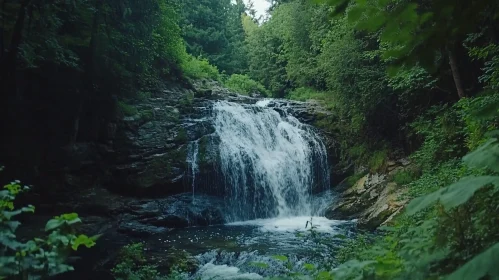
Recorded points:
218,272
263,103
292,224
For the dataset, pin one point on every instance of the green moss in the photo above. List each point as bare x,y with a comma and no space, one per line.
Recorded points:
126,110
185,104
203,143
147,115
181,136
377,161
143,95
354,178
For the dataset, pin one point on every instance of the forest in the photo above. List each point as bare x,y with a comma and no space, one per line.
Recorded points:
395,79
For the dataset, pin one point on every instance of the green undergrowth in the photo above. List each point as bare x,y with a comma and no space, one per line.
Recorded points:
406,176
199,68
243,84
351,180
448,230
327,99
43,256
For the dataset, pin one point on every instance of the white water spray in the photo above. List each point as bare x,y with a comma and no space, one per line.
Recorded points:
192,161
270,163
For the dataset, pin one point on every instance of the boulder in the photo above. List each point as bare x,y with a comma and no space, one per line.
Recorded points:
373,200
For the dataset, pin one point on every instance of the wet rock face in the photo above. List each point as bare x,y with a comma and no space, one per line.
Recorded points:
374,200
103,211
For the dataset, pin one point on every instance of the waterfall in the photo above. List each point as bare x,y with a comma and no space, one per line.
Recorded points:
271,163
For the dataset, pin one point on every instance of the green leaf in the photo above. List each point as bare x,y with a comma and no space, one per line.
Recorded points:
82,240
355,13
487,111
9,214
28,209
486,156
67,217
54,224
324,275
484,264
309,266
453,195
280,258
13,225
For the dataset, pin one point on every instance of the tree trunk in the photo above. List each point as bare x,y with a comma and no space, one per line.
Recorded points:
17,36
2,42
455,74
9,59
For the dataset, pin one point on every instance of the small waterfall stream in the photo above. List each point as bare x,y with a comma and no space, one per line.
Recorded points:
192,161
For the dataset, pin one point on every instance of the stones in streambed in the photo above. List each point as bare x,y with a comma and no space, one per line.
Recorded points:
374,200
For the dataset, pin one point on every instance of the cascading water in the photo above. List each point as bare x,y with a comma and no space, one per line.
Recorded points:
271,163
192,161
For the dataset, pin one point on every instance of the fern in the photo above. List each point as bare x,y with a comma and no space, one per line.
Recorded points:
487,157
453,195
480,266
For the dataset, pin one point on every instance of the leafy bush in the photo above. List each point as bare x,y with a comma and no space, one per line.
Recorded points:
199,68
133,265
405,176
443,134
245,85
377,161
475,126
447,230
304,94
452,131
43,256
353,248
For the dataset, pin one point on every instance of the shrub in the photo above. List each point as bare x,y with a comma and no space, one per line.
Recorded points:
377,161
199,68
41,257
405,176
304,94
245,85
133,265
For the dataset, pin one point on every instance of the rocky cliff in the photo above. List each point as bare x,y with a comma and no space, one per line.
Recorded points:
374,199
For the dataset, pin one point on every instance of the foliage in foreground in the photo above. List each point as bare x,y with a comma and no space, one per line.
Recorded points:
133,265
40,257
